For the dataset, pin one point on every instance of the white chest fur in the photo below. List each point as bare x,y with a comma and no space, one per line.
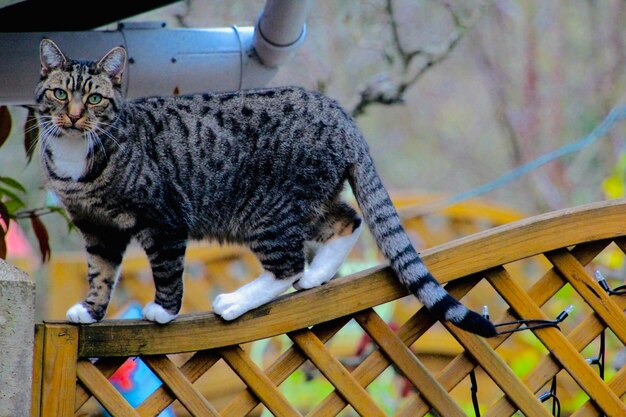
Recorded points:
70,155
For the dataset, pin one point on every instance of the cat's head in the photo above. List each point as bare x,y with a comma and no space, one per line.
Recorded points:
78,98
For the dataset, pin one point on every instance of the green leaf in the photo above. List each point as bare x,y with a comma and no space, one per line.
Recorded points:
13,205
13,184
31,133
5,124
6,192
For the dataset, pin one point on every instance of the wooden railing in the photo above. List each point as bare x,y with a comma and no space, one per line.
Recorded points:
73,363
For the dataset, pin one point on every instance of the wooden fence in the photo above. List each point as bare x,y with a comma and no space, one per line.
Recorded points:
73,363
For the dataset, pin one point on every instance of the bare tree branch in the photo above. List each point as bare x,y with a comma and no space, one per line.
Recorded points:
382,90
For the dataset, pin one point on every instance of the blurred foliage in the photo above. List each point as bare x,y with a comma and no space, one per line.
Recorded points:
13,193
614,185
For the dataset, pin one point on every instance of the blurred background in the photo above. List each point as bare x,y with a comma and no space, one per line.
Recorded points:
476,88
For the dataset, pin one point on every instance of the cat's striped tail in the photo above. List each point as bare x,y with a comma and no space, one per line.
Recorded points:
384,223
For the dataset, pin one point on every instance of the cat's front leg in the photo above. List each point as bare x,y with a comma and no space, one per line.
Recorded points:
167,259
105,249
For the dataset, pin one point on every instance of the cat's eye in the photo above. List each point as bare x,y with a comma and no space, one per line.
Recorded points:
94,98
60,94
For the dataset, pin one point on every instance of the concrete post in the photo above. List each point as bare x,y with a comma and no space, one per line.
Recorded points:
17,329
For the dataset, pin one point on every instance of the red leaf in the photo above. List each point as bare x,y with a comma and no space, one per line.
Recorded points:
41,233
31,133
3,245
5,124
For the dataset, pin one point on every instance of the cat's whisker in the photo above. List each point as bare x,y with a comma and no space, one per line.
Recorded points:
107,134
99,142
46,131
42,138
91,139
40,121
117,119
30,129
88,157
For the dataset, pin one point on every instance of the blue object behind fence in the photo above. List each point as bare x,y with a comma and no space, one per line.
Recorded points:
134,380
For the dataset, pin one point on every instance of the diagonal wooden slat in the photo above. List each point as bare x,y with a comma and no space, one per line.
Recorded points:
258,382
590,290
175,380
408,363
279,371
336,374
109,397
617,384
107,367
499,371
376,362
548,367
193,369
544,289
556,342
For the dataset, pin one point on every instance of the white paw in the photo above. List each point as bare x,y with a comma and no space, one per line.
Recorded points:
154,312
231,305
262,290
79,314
313,278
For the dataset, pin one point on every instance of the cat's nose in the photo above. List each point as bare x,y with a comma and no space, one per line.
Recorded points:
73,118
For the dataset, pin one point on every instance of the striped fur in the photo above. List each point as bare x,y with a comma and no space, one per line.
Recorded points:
262,167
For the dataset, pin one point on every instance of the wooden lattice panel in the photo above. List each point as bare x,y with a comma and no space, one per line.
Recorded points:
569,242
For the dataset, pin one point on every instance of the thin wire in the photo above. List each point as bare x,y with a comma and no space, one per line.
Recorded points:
533,324
616,114
474,391
556,404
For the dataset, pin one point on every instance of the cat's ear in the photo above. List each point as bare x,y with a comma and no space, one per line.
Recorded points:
113,64
50,55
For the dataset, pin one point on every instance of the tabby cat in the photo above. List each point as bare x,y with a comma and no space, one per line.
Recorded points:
264,168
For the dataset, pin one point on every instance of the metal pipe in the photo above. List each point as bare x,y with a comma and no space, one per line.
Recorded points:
162,61
279,30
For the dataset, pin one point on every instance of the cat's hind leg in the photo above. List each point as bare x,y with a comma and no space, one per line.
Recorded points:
261,290
280,250
334,239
